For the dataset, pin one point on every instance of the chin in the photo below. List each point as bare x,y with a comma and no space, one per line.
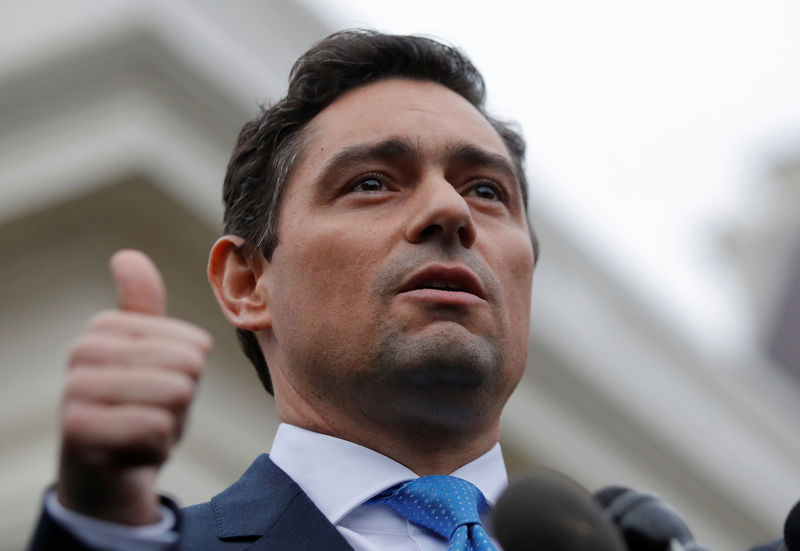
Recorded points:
441,347
449,374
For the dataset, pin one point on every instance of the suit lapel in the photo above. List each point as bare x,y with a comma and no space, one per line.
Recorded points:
265,503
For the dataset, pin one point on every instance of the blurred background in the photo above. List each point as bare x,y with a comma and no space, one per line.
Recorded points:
664,156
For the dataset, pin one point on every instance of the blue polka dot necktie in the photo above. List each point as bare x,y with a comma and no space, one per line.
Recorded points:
445,504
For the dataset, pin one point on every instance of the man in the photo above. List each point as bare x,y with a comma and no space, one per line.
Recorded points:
377,266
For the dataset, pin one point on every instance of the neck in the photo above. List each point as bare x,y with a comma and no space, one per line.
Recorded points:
424,447
434,432
429,452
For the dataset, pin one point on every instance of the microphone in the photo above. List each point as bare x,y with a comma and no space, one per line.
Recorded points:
646,522
791,530
546,511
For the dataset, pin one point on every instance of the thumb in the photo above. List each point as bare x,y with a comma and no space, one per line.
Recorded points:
140,287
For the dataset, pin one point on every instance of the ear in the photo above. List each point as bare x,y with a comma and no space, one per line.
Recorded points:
238,280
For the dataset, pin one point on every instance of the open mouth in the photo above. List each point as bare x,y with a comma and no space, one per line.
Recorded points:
444,279
442,286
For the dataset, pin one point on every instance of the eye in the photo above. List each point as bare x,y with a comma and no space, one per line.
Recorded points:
487,190
368,184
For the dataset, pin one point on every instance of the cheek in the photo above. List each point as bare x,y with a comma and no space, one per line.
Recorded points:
520,299
514,268
517,282
331,268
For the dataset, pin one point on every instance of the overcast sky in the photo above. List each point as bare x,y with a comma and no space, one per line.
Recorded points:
649,123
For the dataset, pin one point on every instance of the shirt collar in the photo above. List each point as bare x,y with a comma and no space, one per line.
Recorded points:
339,475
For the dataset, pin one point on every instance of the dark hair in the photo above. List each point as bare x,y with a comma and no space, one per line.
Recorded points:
269,145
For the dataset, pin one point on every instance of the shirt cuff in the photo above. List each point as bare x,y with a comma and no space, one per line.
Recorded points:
102,534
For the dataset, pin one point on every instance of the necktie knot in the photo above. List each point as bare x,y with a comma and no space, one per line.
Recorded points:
448,505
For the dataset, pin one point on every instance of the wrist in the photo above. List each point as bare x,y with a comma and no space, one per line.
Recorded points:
125,497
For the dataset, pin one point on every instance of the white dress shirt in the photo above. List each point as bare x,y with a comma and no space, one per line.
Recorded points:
339,477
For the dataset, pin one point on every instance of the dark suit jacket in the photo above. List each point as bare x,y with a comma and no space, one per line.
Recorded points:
264,510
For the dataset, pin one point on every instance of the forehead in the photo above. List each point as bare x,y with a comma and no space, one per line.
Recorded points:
427,114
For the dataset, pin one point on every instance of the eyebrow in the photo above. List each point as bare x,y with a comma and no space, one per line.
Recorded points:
400,149
470,155
392,149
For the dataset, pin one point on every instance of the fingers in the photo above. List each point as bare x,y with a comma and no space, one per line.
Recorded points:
131,379
143,386
140,287
136,356
110,350
129,365
124,435
135,325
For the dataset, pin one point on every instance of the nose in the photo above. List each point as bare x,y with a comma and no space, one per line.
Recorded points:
439,211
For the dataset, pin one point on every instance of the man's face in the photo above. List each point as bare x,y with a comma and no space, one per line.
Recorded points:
399,291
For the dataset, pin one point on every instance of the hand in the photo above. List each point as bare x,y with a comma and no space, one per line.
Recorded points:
132,376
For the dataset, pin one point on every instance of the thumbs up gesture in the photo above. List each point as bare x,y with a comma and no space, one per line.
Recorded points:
131,378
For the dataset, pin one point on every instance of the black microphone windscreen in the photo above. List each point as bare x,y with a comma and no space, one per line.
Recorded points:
546,511
646,522
791,529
